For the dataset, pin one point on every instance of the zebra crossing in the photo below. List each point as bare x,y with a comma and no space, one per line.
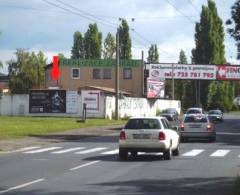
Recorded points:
217,153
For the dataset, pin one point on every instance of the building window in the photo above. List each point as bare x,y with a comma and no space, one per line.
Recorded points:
96,73
127,73
107,73
75,73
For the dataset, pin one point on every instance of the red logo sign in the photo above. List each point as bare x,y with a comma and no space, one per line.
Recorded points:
55,71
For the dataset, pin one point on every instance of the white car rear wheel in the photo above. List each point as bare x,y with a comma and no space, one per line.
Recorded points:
167,155
176,151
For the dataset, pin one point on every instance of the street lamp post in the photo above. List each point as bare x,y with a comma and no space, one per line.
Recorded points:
117,76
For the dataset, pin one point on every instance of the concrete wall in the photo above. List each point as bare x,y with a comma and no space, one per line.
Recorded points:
14,105
129,107
18,105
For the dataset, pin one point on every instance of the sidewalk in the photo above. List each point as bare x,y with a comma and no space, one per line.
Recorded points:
71,135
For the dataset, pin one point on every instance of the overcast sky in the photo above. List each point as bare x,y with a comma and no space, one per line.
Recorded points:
43,25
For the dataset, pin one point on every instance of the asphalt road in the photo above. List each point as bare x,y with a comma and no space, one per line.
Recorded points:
91,166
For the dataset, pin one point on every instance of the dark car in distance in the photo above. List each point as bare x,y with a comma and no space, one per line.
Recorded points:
170,113
215,115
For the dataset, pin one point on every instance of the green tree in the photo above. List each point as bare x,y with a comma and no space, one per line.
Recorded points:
93,42
78,50
125,43
153,55
109,47
234,24
27,71
209,39
184,89
61,56
1,64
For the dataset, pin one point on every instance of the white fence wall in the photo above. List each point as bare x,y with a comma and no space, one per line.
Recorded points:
18,105
129,107
14,105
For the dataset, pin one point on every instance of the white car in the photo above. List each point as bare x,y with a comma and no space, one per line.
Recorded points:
148,134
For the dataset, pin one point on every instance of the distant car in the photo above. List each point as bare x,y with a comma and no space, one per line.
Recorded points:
170,113
148,134
197,126
215,115
194,111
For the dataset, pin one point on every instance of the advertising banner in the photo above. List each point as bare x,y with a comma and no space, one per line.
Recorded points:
47,101
155,89
92,99
225,72
182,71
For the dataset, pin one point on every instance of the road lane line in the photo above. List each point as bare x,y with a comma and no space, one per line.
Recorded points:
27,148
193,152
21,186
110,152
220,153
68,150
84,165
42,150
90,150
20,150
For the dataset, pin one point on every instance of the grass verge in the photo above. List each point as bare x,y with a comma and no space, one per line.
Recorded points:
16,127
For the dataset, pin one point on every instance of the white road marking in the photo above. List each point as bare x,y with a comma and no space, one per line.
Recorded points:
84,165
90,150
227,133
27,148
21,186
141,153
20,150
150,153
42,150
68,150
193,152
220,153
111,152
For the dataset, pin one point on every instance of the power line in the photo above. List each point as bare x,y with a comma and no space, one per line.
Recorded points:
146,40
84,12
77,13
169,2
140,36
190,1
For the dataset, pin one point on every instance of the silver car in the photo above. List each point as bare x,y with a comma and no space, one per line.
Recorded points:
197,126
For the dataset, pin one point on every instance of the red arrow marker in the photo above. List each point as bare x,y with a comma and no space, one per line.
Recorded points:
55,71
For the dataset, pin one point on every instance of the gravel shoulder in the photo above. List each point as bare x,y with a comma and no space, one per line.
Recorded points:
70,135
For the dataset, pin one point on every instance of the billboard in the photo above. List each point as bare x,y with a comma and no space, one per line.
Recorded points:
181,71
155,89
47,101
228,72
92,99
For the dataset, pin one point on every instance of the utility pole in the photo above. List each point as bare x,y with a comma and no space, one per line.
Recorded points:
142,72
117,76
173,95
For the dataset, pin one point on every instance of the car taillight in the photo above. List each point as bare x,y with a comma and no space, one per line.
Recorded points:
182,127
209,127
122,135
162,136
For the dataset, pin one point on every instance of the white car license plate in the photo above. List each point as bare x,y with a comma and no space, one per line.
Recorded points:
141,136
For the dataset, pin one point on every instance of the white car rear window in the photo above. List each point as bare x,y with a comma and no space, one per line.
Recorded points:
143,124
